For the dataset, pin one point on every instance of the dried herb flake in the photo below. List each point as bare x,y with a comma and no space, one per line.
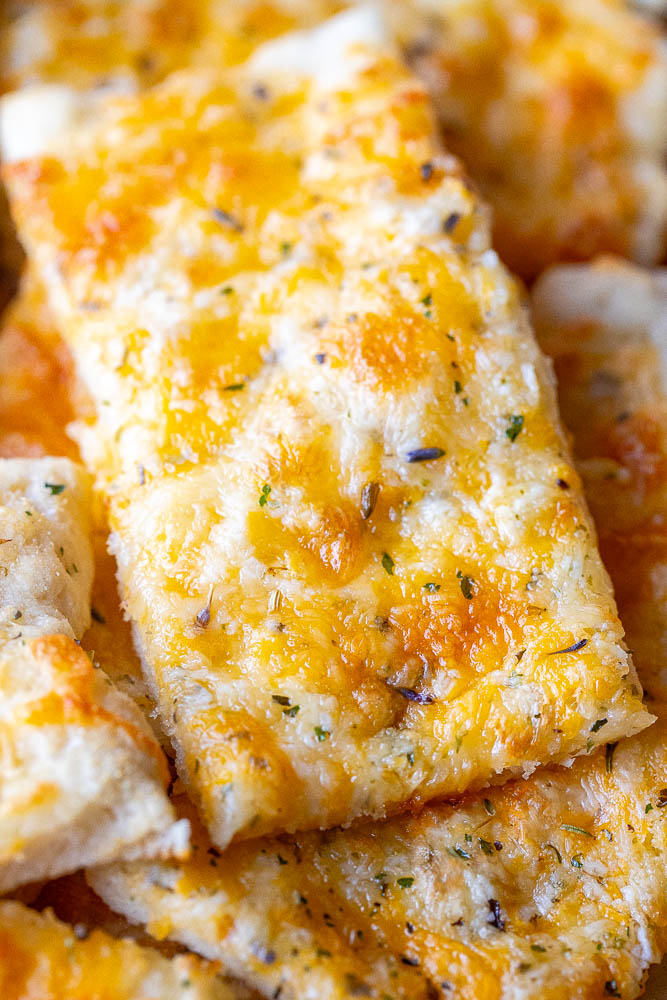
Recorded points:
419,697
466,583
496,918
609,757
369,497
571,828
424,454
570,649
514,427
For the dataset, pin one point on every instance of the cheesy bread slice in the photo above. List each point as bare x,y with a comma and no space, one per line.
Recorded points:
605,326
42,957
82,777
550,887
559,111
349,534
102,43
547,887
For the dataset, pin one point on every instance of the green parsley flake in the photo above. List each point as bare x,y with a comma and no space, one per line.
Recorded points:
577,829
291,712
609,757
458,852
321,734
388,563
405,882
514,427
264,495
55,488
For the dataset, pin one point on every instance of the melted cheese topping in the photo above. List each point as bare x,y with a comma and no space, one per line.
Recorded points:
559,111
74,751
40,957
548,887
328,442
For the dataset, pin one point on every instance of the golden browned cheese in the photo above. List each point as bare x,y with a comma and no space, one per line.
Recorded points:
44,959
348,531
558,108
550,887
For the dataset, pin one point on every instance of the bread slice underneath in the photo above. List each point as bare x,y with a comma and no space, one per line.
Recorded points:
42,957
82,778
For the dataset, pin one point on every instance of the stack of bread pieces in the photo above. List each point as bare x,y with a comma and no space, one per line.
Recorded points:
333,499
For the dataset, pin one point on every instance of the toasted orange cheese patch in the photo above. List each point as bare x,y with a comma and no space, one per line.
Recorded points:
43,957
372,585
